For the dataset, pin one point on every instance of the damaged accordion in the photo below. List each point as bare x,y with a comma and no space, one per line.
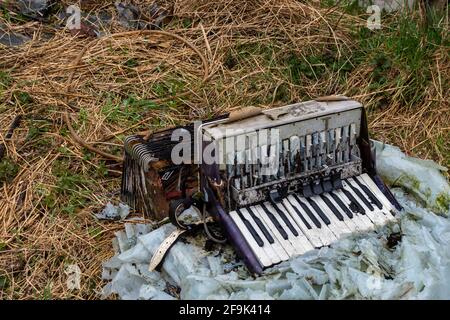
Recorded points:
280,182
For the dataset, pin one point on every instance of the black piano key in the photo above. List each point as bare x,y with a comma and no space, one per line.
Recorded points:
275,222
250,229
319,211
354,205
333,208
285,219
301,216
342,205
261,226
361,196
308,212
369,193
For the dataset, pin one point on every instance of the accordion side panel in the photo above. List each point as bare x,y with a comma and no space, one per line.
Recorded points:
156,195
237,239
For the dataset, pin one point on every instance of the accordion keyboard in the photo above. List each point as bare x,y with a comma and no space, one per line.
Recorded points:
277,231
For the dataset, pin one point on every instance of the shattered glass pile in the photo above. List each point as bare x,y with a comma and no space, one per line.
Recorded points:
408,260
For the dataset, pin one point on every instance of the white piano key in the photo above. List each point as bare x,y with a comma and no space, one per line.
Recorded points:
322,232
378,212
339,228
313,158
388,208
366,180
297,245
326,235
274,157
240,142
270,251
361,219
374,216
229,146
263,141
276,246
249,167
257,250
318,211
231,163
301,238
350,223
311,234
285,244
303,163
264,159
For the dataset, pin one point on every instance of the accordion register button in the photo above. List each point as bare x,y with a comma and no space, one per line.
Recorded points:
327,185
307,191
274,195
317,187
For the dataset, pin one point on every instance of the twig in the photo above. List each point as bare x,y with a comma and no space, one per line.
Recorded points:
14,124
66,117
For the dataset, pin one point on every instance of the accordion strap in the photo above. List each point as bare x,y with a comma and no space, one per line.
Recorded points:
164,248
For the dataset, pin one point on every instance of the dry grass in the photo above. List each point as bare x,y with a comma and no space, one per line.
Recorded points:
261,52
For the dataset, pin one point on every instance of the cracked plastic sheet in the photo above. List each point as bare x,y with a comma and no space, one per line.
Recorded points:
406,260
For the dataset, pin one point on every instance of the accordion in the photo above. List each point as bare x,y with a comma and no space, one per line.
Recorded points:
280,182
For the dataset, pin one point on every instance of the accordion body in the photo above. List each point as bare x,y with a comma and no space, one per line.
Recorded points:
281,181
